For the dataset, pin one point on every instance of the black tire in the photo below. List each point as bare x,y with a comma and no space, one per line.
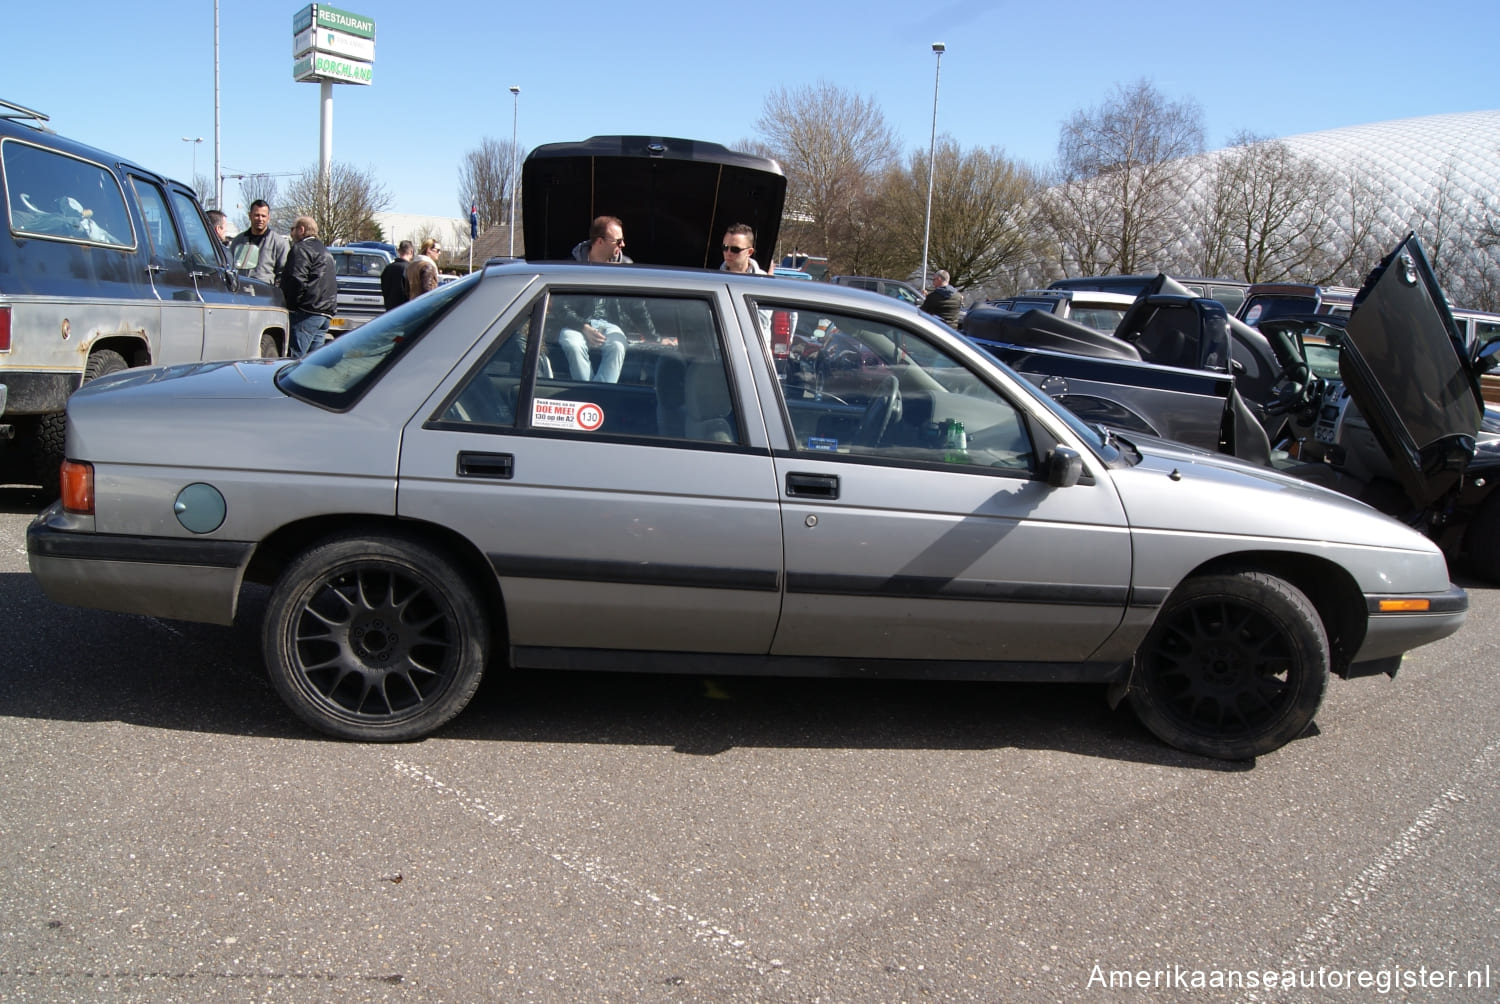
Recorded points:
1234,667
268,347
375,638
1482,540
52,428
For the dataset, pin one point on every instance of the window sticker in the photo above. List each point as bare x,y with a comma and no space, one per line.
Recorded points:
823,443
550,413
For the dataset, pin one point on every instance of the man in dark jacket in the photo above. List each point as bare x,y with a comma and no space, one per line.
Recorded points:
944,301
393,278
310,286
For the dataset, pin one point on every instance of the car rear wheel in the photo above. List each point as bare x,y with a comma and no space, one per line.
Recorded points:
1235,666
268,347
52,428
375,637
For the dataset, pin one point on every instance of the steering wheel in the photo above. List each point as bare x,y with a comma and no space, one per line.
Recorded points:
885,405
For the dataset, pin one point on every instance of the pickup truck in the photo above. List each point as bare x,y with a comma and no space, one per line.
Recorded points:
360,300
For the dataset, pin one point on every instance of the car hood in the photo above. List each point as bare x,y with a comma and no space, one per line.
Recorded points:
1177,488
675,197
1407,371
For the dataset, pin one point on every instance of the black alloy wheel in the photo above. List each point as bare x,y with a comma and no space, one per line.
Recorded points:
1235,666
375,638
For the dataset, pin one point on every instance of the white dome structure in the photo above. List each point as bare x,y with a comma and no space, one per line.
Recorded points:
1438,175
1421,163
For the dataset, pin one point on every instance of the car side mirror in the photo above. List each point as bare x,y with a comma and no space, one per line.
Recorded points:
1064,467
1488,356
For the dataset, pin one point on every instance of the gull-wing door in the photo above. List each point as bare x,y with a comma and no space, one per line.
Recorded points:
1407,370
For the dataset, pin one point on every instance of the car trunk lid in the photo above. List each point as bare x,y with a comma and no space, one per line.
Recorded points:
675,197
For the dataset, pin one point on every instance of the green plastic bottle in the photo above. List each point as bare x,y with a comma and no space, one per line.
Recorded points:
955,442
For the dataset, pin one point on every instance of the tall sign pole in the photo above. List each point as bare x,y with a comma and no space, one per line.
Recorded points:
331,46
515,181
218,168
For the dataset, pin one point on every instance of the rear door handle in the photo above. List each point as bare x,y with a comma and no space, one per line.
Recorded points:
812,486
496,466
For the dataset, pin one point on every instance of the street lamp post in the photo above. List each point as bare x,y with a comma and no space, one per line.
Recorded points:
515,113
937,48
188,139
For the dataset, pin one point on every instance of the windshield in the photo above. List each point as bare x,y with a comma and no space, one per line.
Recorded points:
1105,319
341,371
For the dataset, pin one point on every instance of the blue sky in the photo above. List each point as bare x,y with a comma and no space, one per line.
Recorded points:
135,79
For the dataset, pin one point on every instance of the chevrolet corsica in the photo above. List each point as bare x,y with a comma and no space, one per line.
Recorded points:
567,466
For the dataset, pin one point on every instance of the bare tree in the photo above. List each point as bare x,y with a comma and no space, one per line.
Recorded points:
1349,255
258,186
203,185
1266,213
485,181
343,211
833,145
1074,214
1119,163
980,220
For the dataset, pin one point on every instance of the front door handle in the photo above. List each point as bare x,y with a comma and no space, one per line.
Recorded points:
812,486
495,466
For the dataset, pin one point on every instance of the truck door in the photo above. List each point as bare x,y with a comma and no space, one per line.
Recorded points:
181,336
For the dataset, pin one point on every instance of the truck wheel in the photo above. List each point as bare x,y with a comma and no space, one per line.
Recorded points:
52,429
268,347
1234,667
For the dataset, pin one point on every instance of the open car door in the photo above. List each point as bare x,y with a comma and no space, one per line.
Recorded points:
1406,369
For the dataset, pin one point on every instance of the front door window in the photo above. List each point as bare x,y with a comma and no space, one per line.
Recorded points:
856,387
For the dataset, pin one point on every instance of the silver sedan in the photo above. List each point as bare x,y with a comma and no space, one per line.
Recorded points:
585,467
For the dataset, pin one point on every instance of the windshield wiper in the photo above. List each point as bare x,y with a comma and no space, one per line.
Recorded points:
1119,442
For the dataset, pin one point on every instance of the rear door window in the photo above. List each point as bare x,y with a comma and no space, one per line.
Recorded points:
609,365
165,242
203,248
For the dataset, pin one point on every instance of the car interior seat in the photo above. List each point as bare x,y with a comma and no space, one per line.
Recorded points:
671,392
707,406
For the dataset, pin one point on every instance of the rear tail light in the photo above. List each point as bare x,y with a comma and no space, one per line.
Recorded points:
78,487
781,334
4,329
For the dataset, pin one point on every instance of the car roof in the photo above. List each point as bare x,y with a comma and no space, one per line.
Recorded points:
644,276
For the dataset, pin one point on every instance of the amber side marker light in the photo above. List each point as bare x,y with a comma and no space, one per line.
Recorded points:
78,487
1404,606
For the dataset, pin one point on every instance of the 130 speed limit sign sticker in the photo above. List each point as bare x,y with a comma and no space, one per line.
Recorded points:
549,413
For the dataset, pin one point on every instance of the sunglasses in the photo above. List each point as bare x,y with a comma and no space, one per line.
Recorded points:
731,249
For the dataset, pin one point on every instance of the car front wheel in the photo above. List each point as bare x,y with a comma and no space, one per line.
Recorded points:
375,637
1235,666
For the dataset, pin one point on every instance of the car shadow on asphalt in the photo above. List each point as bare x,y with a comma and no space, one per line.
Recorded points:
68,664
26,500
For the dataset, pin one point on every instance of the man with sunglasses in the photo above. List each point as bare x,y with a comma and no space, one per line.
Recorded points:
739,249
604,324
606,243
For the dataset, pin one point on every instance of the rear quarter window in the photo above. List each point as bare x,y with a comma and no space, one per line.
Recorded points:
56,196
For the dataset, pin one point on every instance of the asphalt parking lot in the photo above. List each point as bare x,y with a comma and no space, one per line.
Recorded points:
170,833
